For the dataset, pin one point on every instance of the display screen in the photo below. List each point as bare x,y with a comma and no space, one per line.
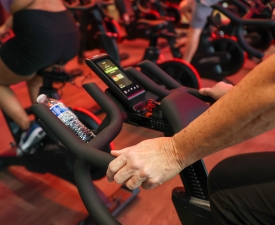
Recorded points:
114,73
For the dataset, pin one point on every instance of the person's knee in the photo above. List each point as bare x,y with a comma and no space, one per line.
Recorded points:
35,81
213,179
184,7
219,172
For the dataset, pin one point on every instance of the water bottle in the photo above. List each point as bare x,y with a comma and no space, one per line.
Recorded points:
67,117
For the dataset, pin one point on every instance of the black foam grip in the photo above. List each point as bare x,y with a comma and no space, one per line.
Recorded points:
248,48
91,200
159,74
147,83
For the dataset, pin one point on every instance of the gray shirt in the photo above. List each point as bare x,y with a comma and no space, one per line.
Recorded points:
202,9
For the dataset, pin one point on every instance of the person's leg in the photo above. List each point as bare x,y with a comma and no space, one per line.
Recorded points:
192,43
186,7
11,106
36,82
8,101
241,189
121,7
33,87
200,13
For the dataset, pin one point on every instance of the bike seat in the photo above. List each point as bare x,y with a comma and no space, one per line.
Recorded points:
153,24
60,75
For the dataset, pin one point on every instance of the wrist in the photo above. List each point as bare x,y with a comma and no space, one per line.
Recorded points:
178,152
185,147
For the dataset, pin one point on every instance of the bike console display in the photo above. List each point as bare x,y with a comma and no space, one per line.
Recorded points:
124,86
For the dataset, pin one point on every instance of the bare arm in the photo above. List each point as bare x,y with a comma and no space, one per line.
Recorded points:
6,26
245,111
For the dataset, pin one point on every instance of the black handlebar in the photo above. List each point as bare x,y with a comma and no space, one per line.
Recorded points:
247,47
97,209
87,153
164,78
160,74
240,23
241,5
147,83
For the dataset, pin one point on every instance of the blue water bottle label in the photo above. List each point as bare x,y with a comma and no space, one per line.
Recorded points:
58,109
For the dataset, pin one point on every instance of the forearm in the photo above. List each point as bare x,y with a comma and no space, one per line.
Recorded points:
244,112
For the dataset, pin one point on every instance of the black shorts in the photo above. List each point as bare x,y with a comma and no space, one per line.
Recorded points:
241,189
42,38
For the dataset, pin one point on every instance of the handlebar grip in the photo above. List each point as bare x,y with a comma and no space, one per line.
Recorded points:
159,74
83,150
87,153
241,21
246,47
112,111
241,5
147,83
91,200
196,93
161,92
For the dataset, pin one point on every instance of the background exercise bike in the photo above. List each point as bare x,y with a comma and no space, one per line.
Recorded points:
96,30
99,30
176,110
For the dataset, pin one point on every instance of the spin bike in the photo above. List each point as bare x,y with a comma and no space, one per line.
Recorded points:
152,30
106,33
49,156
257,36
222,54
126,100
95,28
160,8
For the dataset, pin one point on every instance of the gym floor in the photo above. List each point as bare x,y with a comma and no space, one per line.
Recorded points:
28,198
